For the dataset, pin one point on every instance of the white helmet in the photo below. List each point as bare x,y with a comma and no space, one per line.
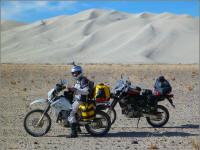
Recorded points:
76,72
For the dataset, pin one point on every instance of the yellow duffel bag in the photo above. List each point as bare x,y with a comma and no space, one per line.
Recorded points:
101,93
87,111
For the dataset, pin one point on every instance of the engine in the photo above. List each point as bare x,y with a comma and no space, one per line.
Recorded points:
131,106
129,110
62,118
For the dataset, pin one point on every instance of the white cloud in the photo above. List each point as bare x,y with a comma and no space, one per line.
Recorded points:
8,12
13,10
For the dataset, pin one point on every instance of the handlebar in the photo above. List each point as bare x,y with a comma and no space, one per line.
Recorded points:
60,87
117,95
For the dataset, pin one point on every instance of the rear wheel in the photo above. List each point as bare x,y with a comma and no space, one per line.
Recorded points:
100,125
32,124
160,119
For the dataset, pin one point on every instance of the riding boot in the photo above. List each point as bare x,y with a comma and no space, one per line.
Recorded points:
73,130
78,129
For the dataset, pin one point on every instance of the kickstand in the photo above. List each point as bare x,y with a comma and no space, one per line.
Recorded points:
138,122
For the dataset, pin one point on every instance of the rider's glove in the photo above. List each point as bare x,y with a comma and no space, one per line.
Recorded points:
59,87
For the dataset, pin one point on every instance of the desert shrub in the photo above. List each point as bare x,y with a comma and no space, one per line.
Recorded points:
195,145
189,88
13,82
153,146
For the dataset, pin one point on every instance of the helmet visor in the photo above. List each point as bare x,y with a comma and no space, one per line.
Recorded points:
76,73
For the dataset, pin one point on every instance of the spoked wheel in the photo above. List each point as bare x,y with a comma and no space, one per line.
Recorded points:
112,114
100,125
160,119
37,124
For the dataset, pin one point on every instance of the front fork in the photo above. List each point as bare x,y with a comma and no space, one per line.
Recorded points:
45,111
171,102
112,106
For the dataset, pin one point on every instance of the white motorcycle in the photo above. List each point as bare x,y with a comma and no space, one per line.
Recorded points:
37,122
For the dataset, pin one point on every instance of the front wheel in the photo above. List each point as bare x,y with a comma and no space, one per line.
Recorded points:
112,114
100,125
36,123
161,118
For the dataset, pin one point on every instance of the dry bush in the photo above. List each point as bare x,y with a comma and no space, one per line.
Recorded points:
27,107
13,82
24,89
173,79
164,139
194,74
153,146
12,147
195,145
92,77
189,88
32,81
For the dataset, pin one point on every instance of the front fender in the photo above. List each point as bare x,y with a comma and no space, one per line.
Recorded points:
39,101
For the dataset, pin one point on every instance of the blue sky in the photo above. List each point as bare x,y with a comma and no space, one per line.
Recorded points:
31,11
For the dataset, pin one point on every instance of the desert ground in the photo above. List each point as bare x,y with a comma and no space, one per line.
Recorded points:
21,84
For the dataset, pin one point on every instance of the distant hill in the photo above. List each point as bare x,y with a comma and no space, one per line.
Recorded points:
103,36
7,25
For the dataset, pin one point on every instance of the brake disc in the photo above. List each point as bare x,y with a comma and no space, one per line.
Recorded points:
35,123
97,124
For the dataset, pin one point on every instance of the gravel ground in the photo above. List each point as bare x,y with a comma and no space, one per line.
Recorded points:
21,84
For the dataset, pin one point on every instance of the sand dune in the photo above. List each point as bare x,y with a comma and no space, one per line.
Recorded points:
8,25
102,36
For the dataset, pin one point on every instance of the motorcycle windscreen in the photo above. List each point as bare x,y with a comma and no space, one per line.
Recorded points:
119,86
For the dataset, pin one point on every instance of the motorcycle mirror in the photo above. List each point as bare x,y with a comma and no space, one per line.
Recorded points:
64,81
73,63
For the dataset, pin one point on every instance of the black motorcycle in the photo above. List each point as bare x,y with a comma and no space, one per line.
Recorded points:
137,103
